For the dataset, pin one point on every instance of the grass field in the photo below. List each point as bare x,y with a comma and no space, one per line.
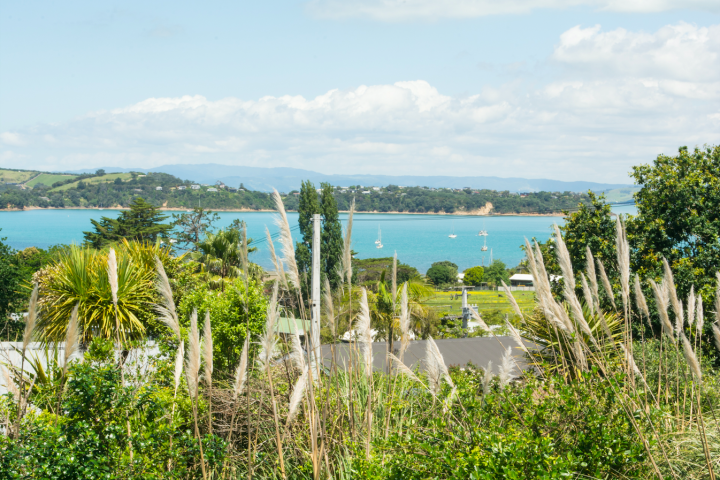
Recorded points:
48,179
110,177
451,302
16,177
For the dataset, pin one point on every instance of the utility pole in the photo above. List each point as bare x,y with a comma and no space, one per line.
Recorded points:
315,324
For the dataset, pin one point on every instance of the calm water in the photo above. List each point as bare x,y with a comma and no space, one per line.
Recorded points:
419,240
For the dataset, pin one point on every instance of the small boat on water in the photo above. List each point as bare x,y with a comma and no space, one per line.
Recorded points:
483,233
452,235
378,242
484,247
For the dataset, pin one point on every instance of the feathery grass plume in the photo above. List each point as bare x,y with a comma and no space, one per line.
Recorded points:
277,263
72,337
516,337
404,321
623,259
329,307
364,334
113,275
606,283
10,384
543,290
587,294
669,282
347,245
394,279
31,317
680,319
662,308
268,340
531,258
592,276
288,249
297,355
241,370
630,360
439,361
700,318
506,368
179,357
487,378
297,396
641,301
192,367
716,335
563,258
691,306
432,368
690,358
402,368
512,301
207,343
166,308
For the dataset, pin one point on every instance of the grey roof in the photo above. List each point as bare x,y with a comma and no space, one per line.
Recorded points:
455,351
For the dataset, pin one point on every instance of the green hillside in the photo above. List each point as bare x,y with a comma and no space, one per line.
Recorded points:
16,176
48,179
107,178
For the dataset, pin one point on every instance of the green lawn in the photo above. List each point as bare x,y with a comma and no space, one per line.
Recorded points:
110,177
451,302
16,177
48,179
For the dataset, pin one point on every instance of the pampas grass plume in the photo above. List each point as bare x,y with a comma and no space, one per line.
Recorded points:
690,358
31,318
179,357
288,248
347,245
691,306
404,321
297,396
241,370
700,314
268,340
278,264
512,301
113,275
506,368
661,304
402,368
640,300
364,334
297,356
716,334
207,344
592,276
192,367
606,283
669,282
72,336
587,293
487,378
166,309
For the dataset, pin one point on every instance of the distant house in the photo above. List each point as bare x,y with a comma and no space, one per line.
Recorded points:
366,192
377,189
296,193
195,187
158,188
521,280
212,189
181,187
220,185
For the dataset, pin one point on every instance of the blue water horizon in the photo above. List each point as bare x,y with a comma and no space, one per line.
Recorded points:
419,239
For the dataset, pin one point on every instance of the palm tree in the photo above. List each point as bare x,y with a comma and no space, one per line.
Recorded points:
220,255
385,312
79,276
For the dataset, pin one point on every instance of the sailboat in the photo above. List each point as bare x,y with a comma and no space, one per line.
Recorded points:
452,235
379,240
484,247
483,232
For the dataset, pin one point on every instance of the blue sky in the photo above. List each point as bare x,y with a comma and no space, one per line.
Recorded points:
565,89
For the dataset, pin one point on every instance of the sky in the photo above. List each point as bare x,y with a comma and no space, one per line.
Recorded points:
560,89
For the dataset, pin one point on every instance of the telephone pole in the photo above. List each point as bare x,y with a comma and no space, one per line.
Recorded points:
315,311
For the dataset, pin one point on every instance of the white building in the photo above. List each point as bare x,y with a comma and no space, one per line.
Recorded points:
158,188
195,187
212,189
181,187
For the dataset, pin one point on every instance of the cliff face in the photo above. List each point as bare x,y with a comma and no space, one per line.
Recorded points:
480,211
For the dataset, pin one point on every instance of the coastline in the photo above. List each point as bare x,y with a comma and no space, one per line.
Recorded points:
472,213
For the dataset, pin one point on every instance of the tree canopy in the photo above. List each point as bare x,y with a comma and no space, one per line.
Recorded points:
442,273
496,272
143,222
474,276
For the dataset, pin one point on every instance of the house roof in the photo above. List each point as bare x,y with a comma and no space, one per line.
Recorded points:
522,277
455,351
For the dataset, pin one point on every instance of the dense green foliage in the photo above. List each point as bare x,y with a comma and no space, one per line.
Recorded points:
10,276
90,192
230,314
143,222
474,276
442,273
371,270
496,273
189,227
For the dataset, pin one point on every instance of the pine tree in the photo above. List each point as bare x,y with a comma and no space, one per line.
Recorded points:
308,206
142,222
332,239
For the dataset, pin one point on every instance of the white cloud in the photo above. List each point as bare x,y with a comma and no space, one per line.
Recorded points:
580,126
681,52
403,10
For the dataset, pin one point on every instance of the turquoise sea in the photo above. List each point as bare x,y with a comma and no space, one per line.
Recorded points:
419,240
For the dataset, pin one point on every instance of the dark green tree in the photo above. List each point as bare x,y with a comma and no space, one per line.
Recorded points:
10,276
142,222
331,239
308,206
442,273
496,272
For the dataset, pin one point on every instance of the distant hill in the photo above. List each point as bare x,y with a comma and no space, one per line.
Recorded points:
288,179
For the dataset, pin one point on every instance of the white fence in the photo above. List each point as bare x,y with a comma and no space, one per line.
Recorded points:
518,289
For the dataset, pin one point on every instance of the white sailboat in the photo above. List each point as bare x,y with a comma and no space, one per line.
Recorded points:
484,247
483,232
379,240
452,235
